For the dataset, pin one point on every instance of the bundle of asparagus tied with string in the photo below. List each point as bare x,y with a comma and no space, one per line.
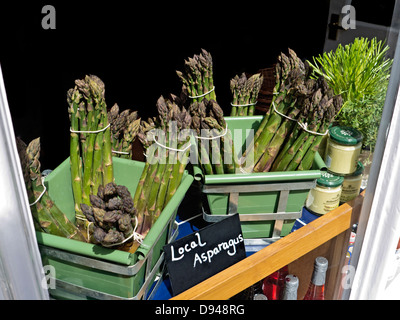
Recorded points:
166,140
47,217
112,213
197,77
320,110
124,129
300,114
215,149
90,142
214,140
245,93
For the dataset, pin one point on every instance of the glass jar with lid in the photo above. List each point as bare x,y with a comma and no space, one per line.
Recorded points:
343,150
326,195
352,184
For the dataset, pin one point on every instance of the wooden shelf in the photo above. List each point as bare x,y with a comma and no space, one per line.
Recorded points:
327,235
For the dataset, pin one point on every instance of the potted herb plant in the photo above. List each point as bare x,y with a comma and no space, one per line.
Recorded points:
360,73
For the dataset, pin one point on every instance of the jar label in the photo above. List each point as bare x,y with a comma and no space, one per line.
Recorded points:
332,203
350,191
321,202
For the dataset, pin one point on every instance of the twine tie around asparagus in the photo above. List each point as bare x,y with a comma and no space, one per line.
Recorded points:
80,217
203,95
98,131
169,148
215,137
304,126
119,152
94,131
136,237
41,195
244,105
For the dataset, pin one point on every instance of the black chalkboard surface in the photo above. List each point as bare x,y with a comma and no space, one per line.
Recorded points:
198,256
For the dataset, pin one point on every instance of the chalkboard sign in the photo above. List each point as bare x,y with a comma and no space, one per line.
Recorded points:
200,255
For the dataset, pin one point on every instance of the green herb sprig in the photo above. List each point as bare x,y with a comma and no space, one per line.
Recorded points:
359,72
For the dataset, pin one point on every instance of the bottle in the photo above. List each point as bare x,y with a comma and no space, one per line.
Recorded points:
317,285
274,283
259,296
290,289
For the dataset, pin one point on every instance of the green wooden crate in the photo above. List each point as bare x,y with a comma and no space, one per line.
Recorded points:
268,203
84,270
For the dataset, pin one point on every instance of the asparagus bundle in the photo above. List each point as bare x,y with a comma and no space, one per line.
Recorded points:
282,69
301,111
245,92
291,106
124,128
197,77
113,214
215,145
46,215
301,152
90,142
165,163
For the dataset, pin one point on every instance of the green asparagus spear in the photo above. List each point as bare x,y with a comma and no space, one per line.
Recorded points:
75,105
49,216
267,159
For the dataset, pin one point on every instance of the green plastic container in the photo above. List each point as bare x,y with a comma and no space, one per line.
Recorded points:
261,199
88,270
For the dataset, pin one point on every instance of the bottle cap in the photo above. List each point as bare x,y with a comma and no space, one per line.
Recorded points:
345,135
291,286
260,296
291,282
329,180
321,264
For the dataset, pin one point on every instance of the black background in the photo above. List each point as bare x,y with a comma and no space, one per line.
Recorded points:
135,48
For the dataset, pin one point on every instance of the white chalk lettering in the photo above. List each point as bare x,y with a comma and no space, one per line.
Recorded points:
229,247
196,259
187,248
199,240
173,255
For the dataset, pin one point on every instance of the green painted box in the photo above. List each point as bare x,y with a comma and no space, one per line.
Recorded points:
83,270
261,199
